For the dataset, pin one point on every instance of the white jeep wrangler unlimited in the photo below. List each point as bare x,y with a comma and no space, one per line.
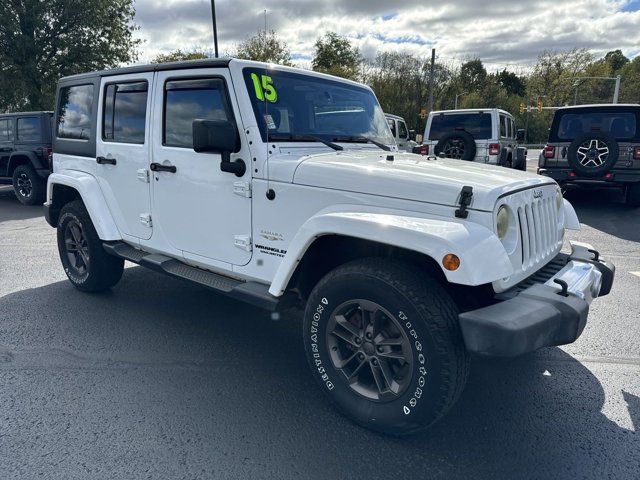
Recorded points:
280,186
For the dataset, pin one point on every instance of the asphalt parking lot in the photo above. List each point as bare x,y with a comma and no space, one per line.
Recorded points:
163,379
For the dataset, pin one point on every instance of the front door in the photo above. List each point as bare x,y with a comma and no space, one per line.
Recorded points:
122,151
194,203
403,135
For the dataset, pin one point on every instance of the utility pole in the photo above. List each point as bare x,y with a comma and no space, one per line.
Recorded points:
215,26
616,93
433,62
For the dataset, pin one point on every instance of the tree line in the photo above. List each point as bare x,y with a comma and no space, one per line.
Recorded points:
43,41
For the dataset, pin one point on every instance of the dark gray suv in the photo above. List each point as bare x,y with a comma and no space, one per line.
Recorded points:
595,145
25,147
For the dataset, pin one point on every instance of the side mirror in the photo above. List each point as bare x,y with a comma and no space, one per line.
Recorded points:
520,135
219,136
412,135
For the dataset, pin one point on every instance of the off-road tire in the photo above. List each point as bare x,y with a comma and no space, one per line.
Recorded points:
103,270
32,194
464,139
427,316
632,195
591,170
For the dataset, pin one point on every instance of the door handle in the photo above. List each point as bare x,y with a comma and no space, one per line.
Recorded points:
106,161
158,167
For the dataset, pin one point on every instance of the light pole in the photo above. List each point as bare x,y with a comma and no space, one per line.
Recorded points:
616,92
215,26
455,107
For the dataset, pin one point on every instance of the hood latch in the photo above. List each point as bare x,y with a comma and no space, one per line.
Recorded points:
465,200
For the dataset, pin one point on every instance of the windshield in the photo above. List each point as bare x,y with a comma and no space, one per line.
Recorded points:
477,124
291,106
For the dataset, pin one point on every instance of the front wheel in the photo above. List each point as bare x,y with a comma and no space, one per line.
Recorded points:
87,265
384,343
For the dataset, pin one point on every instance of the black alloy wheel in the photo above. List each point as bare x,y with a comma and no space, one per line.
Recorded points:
371,349
77,247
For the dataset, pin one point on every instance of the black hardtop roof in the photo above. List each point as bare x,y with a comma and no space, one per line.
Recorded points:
604,106
153,67
23,114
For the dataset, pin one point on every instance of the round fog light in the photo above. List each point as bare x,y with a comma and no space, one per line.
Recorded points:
451,262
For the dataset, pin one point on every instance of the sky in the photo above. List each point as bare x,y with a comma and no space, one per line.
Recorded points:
502,33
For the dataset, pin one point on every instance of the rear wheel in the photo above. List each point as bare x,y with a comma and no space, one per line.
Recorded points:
28,186
632,197
384,343
85,261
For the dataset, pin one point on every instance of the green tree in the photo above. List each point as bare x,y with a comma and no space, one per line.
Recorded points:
473,75
40,41
264,47
512,83
616,60
335,55
179,55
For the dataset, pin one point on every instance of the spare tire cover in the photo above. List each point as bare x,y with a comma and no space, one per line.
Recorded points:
593,154
458,144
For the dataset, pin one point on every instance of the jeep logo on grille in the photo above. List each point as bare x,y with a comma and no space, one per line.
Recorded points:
537,194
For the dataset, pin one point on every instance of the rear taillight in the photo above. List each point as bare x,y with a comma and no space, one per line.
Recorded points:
549,151
424,149
636,153
494,149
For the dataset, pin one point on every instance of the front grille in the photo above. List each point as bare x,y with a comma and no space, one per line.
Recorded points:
541,276
539,233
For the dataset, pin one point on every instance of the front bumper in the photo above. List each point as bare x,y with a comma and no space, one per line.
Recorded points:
543,314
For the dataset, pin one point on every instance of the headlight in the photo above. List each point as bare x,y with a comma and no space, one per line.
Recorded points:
559,199
502,222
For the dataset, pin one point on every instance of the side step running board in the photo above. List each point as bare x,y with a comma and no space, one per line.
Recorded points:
254,293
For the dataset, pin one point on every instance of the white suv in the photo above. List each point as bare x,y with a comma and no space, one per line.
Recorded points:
277,186
484,135
405,138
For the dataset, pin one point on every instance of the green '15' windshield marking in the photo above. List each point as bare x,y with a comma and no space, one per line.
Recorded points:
264,89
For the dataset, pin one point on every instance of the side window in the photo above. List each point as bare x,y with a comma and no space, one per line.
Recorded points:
6,132
29,129
392,126
75,112
187,100
509,127
402,130
124,112
503,126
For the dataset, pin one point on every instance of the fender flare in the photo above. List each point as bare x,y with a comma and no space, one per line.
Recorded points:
33,160
571,221
483,259
89,190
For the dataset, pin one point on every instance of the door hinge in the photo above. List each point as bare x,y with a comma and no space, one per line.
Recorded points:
243,242
145,219
242,188
143,175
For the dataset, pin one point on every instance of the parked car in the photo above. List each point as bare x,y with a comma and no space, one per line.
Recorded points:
595,146
277,186
405,138
486,135
25,147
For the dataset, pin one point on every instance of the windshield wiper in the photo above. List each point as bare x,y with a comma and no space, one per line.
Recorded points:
302,138
384,147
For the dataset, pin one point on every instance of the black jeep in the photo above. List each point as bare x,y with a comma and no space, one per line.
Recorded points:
595,145
25,148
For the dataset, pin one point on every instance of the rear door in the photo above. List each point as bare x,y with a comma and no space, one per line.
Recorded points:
6,143
122,151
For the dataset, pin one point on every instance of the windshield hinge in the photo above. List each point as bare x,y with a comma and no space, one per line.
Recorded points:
242,188
465,200
243,242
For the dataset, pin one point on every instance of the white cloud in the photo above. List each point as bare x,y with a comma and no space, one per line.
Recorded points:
500,32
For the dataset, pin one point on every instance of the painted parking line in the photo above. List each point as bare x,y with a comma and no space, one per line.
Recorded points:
637,274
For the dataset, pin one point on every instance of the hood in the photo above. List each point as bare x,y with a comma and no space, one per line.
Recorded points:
412,177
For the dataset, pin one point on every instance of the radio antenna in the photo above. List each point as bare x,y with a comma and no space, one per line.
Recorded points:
270,193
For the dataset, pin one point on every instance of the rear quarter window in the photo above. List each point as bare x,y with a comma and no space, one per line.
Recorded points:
6,131
75,112
477,124
29,129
